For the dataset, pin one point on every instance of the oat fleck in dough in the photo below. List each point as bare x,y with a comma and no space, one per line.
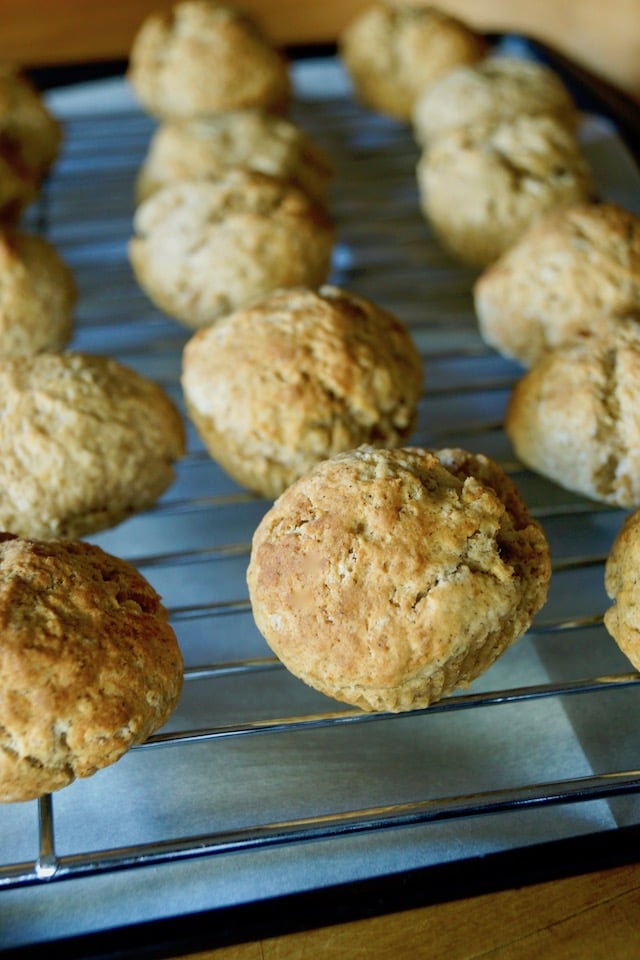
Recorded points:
89,665
393,53
574,417
386,578
297,376
568,269
84,443
202,56
202,249
623,587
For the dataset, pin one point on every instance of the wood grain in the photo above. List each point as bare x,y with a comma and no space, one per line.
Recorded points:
595,916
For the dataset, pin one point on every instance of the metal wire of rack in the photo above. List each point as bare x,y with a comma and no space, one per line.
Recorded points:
542,747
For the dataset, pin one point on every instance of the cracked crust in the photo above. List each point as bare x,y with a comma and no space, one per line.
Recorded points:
208,147
203,249
566,270
492,90
387,578
393,53
482,186
89,665
574,416
201,57
37,295
623,587
84,443
327,371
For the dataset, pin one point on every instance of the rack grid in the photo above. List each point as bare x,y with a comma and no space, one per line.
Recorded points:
253,764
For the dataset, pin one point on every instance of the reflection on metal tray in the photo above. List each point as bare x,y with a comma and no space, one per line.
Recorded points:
219,809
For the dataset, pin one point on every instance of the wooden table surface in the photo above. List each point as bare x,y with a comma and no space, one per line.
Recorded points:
603,37
596,915
592,915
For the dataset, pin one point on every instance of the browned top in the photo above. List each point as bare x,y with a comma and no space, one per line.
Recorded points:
393,53
84,442
30,139
623,587
492,89
566,270
204,56
208,147
575,415
37,295
89,665
203,248
380,568
297,376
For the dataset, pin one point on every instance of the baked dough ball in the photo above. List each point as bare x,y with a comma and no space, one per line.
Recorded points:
37,295
491,90
623,587
89,665
393,53
387,578
297,376
203,56
567,268
30,139
481,186
201,249
84,443
575,415
208,147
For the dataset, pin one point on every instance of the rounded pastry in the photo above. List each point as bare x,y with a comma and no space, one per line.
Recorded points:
30,140
201,249
569,267
89,665
387,578
296,376
37,295
489,91
623,587
393,53
84,443
575,415
209,147
481,186
202,56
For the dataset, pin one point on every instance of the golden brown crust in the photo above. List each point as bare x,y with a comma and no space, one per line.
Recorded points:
482,186
623,587
489,91
37,295
84,443
89,665
297,376
202,249
30,139
203,56
394,53
386,578
208,147
566,270
575,415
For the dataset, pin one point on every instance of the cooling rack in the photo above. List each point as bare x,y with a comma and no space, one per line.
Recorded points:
259,789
